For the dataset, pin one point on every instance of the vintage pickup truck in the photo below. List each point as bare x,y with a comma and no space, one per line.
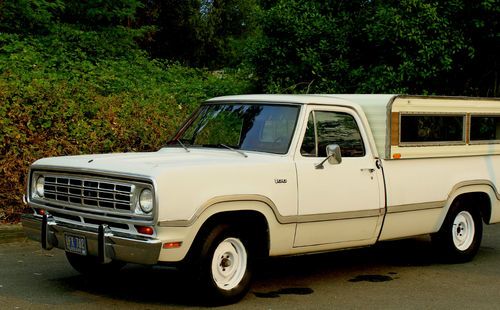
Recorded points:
252,176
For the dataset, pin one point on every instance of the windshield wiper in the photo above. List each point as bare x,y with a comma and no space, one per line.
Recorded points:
234,150
180,142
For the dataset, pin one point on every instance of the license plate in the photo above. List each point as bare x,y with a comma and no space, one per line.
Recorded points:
75,244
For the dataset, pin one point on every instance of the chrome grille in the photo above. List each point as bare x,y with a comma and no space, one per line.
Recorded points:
95,193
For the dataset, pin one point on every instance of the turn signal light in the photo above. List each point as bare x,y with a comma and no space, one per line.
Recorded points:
146,230
40,211
396,156
172,245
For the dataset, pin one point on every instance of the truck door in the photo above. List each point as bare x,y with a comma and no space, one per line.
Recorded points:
342,202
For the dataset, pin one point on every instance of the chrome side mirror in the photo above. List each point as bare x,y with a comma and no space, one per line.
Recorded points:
333,156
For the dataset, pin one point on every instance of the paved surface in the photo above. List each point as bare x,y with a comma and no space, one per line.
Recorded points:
11,233
392,275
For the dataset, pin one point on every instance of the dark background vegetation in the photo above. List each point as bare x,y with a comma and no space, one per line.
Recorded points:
120,75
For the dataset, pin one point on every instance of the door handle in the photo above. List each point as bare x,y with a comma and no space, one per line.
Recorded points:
371,170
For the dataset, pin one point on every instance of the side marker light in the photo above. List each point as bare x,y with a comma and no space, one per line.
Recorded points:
172,245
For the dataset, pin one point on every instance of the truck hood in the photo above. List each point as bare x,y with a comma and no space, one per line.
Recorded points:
152,164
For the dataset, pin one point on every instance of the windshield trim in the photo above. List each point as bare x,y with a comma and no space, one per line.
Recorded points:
195,114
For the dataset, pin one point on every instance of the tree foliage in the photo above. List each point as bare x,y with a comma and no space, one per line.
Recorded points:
306,45
96,13
25,16
209,33
408,46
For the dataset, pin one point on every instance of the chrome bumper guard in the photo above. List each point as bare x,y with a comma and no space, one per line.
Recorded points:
101,242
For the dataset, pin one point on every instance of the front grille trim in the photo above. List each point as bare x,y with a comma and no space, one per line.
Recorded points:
132,218
92,192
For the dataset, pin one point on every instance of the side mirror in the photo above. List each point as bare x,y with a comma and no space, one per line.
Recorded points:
333,156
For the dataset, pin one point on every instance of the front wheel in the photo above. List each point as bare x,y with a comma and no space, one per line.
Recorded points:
459,238
225,265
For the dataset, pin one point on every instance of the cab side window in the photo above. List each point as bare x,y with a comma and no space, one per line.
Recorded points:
325,128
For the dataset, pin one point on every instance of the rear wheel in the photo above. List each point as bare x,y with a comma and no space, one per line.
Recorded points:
90,265
224,265
460,236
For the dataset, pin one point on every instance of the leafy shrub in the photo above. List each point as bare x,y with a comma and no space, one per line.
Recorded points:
66,93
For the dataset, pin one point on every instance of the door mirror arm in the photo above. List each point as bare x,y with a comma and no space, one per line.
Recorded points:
333,156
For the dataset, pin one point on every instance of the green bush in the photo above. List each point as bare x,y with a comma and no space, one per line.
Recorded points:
66,93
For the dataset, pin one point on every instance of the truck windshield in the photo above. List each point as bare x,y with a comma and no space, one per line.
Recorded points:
249,127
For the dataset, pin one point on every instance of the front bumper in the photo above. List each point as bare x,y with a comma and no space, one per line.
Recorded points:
101,241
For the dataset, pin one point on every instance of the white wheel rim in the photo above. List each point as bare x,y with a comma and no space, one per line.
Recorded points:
229,263
463,230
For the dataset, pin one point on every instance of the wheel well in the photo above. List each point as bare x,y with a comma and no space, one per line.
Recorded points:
480,200
253,223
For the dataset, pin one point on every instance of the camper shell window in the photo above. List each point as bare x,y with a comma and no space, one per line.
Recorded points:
485,128
432,129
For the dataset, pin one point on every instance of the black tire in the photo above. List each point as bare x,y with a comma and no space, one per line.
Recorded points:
460,236
90,265
224,279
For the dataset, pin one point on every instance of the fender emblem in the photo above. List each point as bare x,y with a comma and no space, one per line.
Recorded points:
280,181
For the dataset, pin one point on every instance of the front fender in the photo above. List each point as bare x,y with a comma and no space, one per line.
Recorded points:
280,235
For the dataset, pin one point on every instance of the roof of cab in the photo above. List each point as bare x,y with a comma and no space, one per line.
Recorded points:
373,99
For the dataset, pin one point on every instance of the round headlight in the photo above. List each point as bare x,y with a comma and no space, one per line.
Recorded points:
146,200
39,186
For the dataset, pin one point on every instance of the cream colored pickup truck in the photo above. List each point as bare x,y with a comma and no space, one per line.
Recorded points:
268,175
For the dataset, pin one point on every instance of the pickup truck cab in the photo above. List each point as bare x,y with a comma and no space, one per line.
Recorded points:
253,176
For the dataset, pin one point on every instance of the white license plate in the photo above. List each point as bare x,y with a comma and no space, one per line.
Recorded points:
75,244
